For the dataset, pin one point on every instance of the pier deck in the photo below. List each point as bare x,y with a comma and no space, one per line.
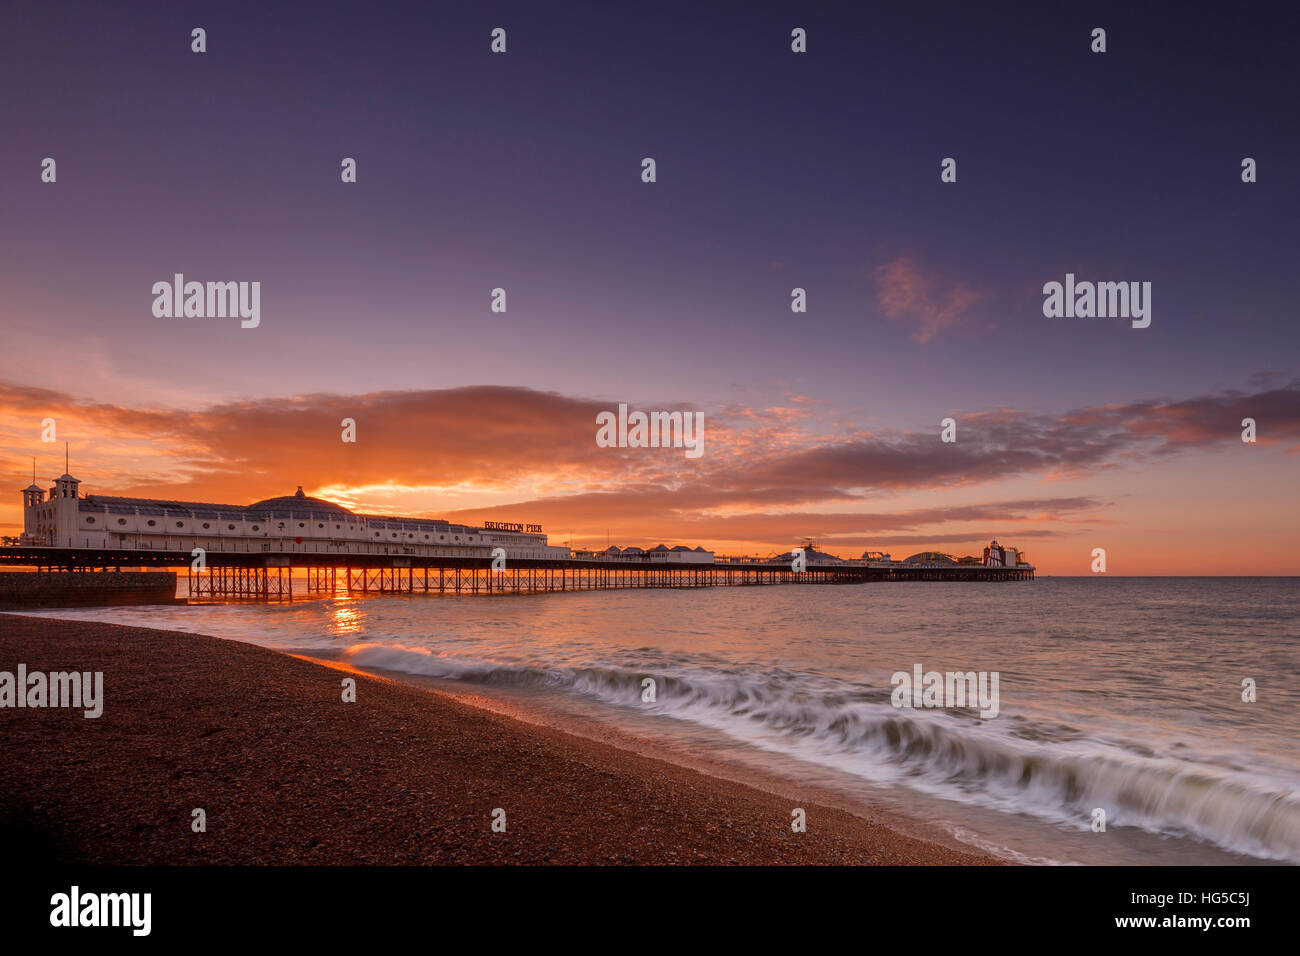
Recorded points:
270,575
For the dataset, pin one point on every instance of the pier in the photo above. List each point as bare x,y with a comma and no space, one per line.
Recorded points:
252,552
271,577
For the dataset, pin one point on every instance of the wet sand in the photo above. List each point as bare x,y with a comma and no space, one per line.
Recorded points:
288,773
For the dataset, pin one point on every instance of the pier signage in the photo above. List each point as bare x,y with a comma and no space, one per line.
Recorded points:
511,526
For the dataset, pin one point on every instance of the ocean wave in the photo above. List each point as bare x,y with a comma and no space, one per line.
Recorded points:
1048,770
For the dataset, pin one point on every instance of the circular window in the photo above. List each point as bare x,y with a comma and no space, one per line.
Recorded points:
301,525
320,526
180,524
230,527
121,521
90,521
257,528
206,525
152,522
394,534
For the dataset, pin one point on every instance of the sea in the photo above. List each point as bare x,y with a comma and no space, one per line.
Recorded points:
1139,720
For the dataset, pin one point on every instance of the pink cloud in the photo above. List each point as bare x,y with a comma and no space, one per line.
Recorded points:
906,294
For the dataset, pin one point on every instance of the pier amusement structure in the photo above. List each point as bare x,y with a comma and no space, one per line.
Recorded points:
253,551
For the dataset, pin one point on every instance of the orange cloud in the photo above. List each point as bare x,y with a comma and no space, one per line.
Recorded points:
769,476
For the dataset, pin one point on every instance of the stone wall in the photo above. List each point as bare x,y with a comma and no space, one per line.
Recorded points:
31,589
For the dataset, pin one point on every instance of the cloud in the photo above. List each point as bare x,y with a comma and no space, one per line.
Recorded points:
649,510
906,294
769,474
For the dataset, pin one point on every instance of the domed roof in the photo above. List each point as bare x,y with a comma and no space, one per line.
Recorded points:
929,557
298,503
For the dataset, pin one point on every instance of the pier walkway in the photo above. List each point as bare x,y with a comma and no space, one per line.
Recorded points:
270,576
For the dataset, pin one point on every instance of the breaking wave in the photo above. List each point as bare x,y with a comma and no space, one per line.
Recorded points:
1013,764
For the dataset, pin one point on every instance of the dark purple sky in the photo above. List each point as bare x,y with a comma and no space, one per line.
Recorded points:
775,170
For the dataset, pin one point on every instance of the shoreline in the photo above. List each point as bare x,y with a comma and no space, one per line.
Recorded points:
287,773
585,722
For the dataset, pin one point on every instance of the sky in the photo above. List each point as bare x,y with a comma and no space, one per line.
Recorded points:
774,170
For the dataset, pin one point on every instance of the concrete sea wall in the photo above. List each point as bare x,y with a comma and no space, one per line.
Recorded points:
31,589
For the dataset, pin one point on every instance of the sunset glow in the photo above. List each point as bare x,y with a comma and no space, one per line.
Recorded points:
1152,481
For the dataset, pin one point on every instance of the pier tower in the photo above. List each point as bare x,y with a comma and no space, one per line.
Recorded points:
52,522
